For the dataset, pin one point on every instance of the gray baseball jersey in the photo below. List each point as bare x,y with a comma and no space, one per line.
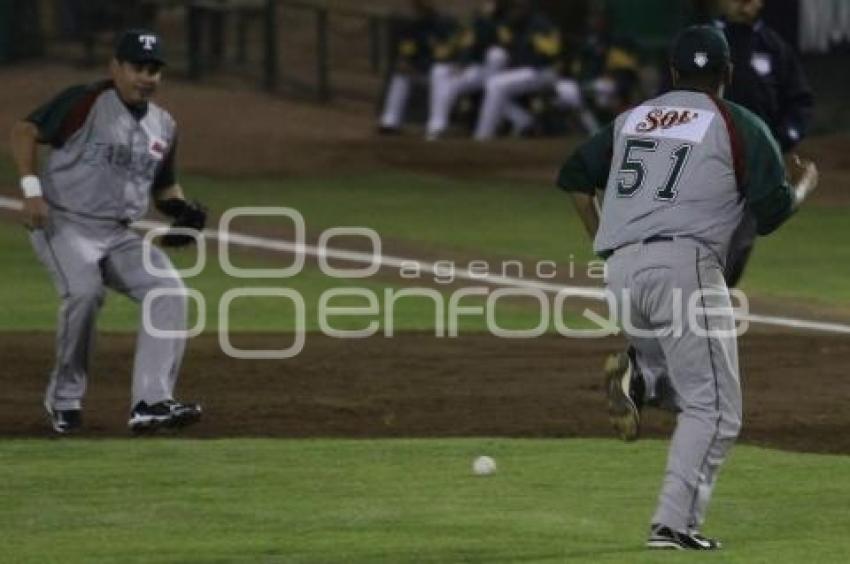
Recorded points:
105,160
681,165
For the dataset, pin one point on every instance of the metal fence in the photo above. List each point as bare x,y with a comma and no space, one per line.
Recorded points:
310,48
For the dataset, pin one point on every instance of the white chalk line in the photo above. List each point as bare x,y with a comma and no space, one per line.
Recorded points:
388,261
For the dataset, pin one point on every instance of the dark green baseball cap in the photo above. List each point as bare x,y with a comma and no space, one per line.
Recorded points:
140,46
699,48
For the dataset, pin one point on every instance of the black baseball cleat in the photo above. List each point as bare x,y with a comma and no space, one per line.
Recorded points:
65,421
165,414
624,388
662,537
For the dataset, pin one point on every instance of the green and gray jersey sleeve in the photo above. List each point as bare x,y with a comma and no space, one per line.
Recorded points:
588,167
58,119
768,195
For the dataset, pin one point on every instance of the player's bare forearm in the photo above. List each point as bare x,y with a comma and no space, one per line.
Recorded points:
587,210
24,141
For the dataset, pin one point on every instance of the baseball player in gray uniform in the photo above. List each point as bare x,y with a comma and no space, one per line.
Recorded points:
111,150
678,172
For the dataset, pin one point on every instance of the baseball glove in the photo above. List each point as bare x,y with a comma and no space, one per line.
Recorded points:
191,215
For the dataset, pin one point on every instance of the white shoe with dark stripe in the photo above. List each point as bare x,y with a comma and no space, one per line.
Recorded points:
662,537
623,401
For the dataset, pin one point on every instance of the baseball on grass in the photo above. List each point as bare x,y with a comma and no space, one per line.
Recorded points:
484,466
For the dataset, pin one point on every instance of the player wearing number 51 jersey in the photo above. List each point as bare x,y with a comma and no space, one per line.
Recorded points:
678,172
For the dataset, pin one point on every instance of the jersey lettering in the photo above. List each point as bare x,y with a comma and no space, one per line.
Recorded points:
141,167
633,166
687,124
679,157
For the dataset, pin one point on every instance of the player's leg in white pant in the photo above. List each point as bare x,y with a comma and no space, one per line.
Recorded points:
467,81
568,93
519,118
71,252
157,358
499,92
443,76
568,96
495,60
395,103
604,89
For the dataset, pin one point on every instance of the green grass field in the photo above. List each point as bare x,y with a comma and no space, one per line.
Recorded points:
802,261
397,501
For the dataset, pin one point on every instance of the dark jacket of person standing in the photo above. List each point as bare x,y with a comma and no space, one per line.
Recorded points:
768,80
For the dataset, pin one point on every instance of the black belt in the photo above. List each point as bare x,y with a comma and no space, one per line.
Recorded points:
648,240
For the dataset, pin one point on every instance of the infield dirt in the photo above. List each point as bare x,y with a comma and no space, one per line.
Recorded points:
796,389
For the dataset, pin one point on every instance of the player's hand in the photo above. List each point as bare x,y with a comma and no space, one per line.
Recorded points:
35,212
804,177
187,215
800,169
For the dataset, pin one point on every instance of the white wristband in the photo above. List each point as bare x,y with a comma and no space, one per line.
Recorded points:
31,186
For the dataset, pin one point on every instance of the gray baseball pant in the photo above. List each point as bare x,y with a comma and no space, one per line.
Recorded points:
83,258
697,371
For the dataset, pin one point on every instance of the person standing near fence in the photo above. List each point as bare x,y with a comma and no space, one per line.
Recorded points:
769,81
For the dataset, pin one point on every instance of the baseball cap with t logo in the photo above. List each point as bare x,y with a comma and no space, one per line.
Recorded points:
140,46
699,48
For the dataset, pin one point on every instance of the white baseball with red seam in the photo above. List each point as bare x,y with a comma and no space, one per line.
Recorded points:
483,466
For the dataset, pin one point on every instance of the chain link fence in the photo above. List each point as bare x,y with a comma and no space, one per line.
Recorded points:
306,48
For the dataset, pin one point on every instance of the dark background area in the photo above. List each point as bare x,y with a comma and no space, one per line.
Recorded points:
325,50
